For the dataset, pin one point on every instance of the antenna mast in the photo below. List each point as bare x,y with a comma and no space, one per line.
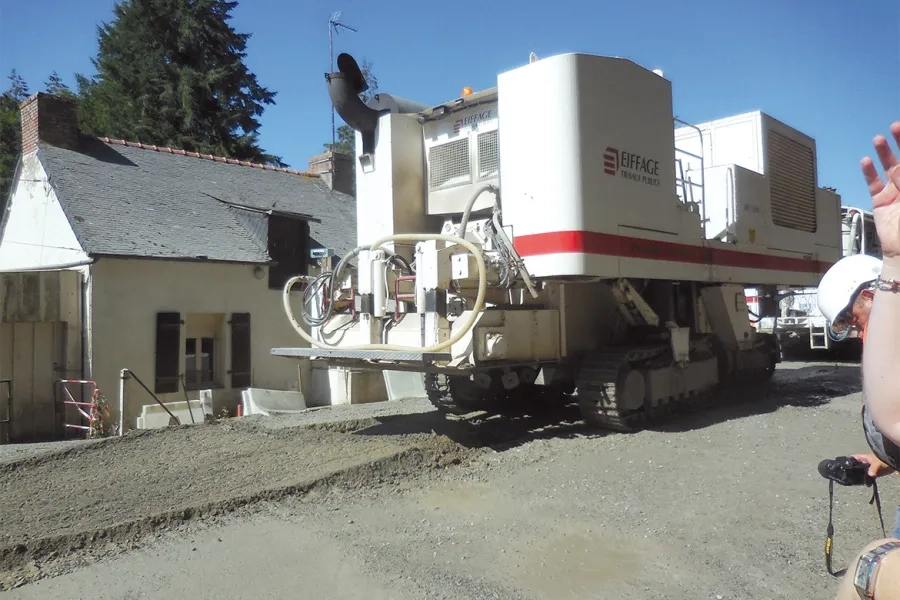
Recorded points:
333,23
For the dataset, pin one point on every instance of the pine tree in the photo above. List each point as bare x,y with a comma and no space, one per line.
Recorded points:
171,73
18,88
54,85
10,133
345,140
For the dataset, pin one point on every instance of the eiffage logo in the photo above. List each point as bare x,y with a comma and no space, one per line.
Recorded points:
631,166
610,161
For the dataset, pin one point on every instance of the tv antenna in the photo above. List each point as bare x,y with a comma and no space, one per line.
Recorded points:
333,23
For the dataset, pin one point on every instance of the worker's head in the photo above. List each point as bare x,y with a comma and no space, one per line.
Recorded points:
846,293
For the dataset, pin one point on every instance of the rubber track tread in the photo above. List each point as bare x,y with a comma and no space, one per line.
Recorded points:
437,388
596,389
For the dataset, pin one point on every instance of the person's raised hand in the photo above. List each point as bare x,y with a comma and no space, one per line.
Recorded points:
885,194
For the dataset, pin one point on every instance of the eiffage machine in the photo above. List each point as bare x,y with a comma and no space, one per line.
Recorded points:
546,236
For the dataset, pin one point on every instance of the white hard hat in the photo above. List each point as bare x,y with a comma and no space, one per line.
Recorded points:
841,284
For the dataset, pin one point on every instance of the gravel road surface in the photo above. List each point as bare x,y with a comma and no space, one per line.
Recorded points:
395,501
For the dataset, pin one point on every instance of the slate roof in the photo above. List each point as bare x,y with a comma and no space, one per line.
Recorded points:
130,200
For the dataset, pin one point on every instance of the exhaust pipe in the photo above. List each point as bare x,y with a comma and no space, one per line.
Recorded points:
393,104
344,88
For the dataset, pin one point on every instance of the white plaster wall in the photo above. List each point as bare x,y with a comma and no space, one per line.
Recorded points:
37,232
127,294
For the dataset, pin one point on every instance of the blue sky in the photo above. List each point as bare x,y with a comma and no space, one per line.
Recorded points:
829,68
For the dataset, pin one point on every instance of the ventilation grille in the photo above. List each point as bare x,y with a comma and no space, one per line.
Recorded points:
488,155
449,164
792,183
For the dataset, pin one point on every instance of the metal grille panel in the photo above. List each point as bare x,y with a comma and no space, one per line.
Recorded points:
488,155
792,183
449,164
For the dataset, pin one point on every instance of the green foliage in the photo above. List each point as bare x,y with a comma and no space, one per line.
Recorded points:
54,85
171,73
344,134
10,132
101,424
18,89
11,125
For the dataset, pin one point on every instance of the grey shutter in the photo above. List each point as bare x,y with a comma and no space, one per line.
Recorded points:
240,350
168,351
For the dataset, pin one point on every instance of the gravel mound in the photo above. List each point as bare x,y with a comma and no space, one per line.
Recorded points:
115,491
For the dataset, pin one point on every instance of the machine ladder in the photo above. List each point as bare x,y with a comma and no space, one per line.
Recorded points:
818,336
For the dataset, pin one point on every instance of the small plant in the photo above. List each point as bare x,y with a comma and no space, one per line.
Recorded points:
99,422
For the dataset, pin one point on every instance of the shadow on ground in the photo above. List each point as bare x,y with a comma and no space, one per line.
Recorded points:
797,386
802,387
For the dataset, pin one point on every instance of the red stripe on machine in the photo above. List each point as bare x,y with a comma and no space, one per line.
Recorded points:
589,242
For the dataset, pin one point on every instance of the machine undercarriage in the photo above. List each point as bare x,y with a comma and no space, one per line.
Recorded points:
640,377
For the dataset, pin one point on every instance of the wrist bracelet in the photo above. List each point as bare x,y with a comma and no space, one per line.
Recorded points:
887,285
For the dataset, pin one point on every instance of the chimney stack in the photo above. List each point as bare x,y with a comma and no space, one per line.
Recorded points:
343,178
51,119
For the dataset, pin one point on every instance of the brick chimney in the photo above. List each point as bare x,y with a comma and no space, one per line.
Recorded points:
343,178
50,119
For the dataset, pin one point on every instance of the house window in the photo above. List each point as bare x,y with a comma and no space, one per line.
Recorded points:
199,362
203,347
288,247
201,350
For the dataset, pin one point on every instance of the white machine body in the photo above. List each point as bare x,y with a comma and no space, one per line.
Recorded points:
611,236
596,181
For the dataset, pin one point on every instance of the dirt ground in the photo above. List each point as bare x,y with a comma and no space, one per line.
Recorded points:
395,501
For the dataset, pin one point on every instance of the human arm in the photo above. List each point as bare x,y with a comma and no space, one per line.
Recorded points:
881,357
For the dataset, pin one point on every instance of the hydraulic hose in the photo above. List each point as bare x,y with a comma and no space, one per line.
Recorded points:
333,277
403,237
471,204
526,278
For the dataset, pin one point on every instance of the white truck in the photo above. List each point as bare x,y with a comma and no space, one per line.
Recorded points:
797,321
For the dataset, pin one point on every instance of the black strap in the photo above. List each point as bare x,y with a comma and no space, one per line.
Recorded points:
877,500
829,532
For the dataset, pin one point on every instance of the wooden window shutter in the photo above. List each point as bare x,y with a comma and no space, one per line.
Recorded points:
168,352
289,247
240,350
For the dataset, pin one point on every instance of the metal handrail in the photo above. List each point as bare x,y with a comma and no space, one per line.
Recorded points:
86,410
124,375
702,171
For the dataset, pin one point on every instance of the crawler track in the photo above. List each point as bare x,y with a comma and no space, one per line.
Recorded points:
598,387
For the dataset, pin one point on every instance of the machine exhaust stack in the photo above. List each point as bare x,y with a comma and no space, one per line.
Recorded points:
344,88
